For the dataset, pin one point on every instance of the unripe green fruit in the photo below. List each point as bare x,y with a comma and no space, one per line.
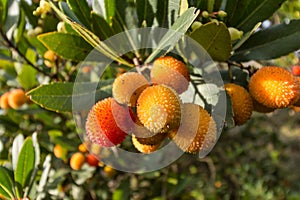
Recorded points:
235,34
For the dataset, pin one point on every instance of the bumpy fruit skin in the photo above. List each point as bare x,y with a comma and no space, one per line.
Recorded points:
241,101
144,148
92,160
274,87
172,72
197,131
159,108
77,160
4,101
109,171
17,98
298,102
128,86
102,125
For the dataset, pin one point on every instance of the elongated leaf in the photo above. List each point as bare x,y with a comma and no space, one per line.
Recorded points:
66,45
167,12
6,183
270,43
215,39
58,96
32,19
12,16
68,12
176,32
145,12
25,164
82,11
3,11
16,148
110,8
100,27
245,14
20,26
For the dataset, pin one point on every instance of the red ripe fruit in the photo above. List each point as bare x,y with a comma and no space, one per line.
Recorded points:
92,160
108,122
296,70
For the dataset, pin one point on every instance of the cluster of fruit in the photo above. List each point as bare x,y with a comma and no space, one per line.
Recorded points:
151,110
82,156
270,88
13,99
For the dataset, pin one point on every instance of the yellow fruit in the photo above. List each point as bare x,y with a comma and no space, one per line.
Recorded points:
17,98
197,131
172,72
159,108
274,87
77,160
128,86
109,171
258,107
82,148
58,151
50,58
4,101
144,148
241,103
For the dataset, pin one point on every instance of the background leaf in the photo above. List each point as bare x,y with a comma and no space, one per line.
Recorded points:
82,11
66,45
145,12
270,43
100,27
58,96
245,14
6,183
215,39
25,163
171,38
27,77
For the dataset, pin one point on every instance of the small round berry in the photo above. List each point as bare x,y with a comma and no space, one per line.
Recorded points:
50,58
274,87
17,98
58,151
4,101
159,108
128,86
241,103
144,148
197,131
109,171
171,72
101,126
296,70
92,160
77,160
82,148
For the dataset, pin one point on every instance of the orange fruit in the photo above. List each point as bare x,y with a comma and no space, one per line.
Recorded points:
92,160
172,72
17,98
109,171
77,160
58,151
241,103
144,148
82,148
4,101
104,121
274,87
128,86
49,58
197,131
159,108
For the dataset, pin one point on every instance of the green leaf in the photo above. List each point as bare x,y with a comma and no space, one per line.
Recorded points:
66,45
215,39
145,12
28,9
25,164
270,43
27,77
167,12
245,14
100,27
68,12
11,18
20,26
6,183
82,11
177,30
3,11
58,96
110,8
